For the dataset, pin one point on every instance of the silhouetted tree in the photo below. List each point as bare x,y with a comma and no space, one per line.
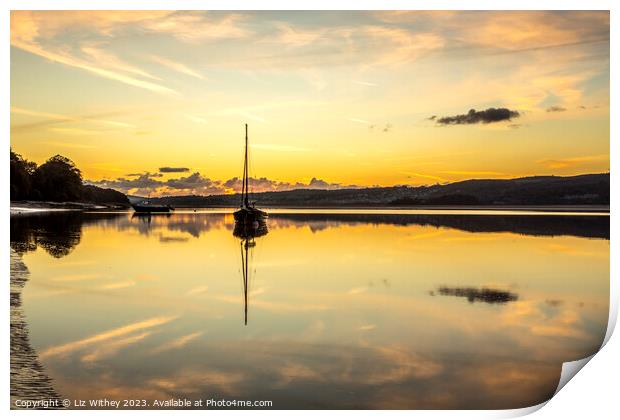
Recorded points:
58,179
21,176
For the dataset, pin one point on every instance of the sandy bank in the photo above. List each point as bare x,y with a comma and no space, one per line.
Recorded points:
30,207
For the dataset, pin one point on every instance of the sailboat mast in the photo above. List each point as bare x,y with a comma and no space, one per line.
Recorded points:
245,171
245,163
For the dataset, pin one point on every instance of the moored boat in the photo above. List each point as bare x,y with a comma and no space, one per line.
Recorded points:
147,207
248,213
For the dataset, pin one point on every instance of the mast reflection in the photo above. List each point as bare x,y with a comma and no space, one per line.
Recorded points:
248,232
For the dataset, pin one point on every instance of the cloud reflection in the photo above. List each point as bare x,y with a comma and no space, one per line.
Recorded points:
104,337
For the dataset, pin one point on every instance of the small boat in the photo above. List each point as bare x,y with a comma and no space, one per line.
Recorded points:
146,207
248,213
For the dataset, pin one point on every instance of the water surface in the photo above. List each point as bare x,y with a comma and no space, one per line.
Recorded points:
344,310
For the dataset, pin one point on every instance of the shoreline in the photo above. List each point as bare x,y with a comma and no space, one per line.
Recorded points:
30,207
38,207
28,378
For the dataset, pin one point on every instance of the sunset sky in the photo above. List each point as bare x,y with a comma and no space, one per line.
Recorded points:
154,102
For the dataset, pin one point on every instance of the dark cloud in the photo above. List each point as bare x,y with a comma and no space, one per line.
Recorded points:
582,107
148,174
487,116
265,184
147,183
554,302
195,184
169,169
473,294
387,128
556,108
432,118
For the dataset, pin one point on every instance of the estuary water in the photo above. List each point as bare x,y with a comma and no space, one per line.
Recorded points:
323,310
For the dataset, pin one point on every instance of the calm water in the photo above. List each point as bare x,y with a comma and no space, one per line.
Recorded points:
343,310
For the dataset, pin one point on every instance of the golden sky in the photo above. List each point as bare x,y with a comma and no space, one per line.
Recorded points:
155,101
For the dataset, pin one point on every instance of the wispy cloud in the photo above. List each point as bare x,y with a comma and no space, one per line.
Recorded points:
176,66
359,121
75,131
41,33
556,108
99,55
54,118
199,290
178,342
118,285
92,67
66,145
572,161
196,119
72,346
424,176
113,347
473,173
361,82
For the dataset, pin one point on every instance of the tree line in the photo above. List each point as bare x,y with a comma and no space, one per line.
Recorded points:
58,179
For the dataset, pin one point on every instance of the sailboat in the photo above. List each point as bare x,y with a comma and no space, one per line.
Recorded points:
248,214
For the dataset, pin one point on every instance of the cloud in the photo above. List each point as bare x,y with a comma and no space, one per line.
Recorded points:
54,119
113,347
556,108
474,173
177,343
102,337
572,162
487,116
148,183
198,290
90,66
195,184
176,66
196,119
97,53
72,131
69,145
363,83
310,46
169,169
44,33
147,174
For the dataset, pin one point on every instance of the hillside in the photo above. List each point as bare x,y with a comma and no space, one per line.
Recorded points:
538,190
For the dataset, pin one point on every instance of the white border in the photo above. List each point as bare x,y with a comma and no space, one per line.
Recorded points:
594,394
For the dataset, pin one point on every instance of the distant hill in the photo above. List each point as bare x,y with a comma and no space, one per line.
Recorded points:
590,189
98,195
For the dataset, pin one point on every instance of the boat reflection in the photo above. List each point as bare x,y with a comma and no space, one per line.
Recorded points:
148,217
248,232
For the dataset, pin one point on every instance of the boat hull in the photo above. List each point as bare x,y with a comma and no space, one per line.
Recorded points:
249,215
151,209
